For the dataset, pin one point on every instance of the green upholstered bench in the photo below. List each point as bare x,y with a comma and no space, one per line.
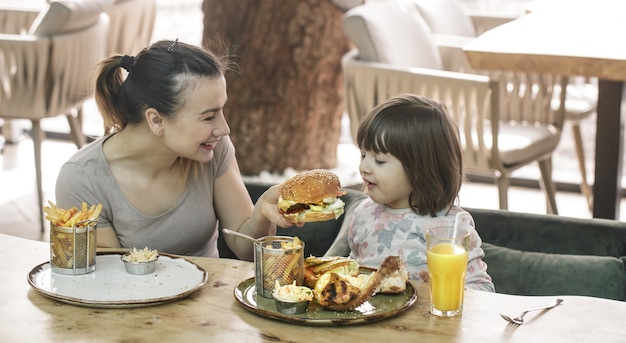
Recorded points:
533,254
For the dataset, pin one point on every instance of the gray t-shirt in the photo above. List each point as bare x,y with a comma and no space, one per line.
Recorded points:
189,228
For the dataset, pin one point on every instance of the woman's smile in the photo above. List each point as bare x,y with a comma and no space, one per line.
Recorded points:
208,145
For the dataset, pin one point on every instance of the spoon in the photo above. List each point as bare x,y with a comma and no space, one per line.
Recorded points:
239,234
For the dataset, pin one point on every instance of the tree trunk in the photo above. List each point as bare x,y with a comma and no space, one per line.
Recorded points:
286,99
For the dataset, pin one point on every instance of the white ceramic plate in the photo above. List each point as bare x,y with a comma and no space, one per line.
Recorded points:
110,286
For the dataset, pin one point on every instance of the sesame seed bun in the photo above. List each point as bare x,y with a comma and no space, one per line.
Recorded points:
311,187
311,197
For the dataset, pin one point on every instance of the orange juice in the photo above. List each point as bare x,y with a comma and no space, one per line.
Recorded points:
447,264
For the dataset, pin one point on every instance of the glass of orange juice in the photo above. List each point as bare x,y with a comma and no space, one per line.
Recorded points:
446,257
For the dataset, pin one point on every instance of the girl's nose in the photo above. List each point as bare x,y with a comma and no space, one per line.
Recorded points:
363,167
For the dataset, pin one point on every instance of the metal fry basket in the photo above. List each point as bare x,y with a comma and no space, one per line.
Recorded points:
273,263
73,249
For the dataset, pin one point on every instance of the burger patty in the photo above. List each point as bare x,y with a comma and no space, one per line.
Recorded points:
301,207
297,208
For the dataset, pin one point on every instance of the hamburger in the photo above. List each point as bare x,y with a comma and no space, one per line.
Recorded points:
311,196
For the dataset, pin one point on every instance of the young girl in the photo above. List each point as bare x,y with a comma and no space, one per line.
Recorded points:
166,171
412,167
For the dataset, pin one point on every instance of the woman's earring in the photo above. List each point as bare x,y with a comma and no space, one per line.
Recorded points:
161,132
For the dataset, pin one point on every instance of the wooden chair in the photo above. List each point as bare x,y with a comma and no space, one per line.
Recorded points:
581,99
449,17
45,71
505,120
15,18
460,21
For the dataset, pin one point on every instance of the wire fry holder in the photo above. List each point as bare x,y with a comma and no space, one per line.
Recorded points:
274,263
73,249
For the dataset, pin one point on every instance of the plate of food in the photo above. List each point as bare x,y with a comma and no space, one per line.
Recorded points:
377,295
110,285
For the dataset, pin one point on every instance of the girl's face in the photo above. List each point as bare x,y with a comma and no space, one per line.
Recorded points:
386,181
198,126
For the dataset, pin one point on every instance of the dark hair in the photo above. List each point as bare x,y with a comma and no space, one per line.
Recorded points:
157,77
421,134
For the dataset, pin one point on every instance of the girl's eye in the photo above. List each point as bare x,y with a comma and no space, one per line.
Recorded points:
209,118
376,160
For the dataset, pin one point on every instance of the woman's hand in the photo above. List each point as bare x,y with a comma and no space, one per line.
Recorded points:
267,204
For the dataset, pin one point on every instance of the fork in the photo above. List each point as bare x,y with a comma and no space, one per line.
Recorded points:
519,320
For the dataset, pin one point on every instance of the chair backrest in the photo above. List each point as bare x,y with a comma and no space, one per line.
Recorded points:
131,23
446,17
17,18
48,72
527,98
518,102
391,32
65,16
494,98
469,98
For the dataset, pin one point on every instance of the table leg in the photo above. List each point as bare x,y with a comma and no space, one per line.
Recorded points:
609,140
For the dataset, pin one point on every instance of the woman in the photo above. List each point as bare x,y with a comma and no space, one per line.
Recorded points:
166,171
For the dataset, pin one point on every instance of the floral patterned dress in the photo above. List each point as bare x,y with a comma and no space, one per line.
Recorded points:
377,231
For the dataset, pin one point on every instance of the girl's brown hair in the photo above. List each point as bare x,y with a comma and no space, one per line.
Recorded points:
421,134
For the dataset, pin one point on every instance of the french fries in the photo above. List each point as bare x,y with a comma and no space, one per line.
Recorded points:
144,255
73,239
295,244
73,216
283,268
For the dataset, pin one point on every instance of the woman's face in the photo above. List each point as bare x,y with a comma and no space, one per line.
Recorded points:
386,181
199,124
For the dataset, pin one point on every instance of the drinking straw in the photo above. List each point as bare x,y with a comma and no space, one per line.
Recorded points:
455,226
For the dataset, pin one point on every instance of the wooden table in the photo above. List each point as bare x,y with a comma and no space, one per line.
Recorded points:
573,37
213,315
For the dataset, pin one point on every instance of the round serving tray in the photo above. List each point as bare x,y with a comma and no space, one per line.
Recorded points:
110,286
378,307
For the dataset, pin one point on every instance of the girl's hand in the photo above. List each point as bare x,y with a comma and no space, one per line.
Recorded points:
424,275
